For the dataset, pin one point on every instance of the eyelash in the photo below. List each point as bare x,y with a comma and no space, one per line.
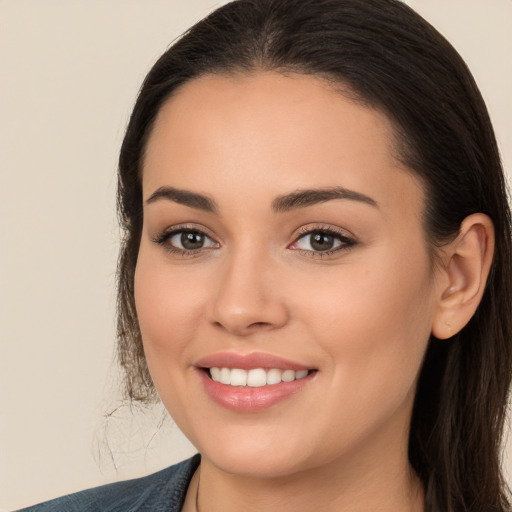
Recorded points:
164,237
346,243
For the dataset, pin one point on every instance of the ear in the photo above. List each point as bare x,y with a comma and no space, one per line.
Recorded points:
463,275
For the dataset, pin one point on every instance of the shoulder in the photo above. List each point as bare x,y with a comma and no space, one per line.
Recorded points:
158,492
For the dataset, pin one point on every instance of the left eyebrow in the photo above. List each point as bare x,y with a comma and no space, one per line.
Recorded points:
308,197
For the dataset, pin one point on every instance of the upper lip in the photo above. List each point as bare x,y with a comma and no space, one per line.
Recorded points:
248,361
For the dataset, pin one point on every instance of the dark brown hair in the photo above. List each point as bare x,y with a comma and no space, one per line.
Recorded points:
387,56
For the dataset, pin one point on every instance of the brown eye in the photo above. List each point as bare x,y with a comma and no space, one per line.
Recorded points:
185,240
321,241
191,240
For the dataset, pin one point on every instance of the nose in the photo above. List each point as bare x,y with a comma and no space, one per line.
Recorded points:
247,298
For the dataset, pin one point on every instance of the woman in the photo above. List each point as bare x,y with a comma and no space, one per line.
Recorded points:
315,277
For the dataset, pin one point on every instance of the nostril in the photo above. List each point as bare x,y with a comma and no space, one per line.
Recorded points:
249,327
258,324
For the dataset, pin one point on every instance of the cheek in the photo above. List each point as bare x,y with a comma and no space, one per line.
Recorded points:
168,303
168,307
373,321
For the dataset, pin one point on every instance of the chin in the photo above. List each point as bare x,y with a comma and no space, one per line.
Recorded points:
256,451
257,464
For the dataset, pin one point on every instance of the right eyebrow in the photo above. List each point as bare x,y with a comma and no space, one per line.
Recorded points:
185,197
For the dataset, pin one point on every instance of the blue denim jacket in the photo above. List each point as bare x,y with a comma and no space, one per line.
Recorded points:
163,491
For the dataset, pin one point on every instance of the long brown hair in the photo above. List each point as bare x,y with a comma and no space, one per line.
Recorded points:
387,56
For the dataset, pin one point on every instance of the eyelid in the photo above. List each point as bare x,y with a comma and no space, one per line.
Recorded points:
347,239
166,234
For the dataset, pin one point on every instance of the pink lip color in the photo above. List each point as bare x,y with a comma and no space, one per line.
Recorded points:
245,398
248,361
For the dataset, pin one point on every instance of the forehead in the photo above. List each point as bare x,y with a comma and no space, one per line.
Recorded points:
269,131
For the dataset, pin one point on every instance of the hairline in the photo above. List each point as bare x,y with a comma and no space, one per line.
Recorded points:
399,145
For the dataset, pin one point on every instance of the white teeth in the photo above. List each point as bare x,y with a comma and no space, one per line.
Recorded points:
215,374
301,374
288,376
238,377
274,376
225,376
257,377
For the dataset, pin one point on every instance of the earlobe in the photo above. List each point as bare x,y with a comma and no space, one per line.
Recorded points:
466,265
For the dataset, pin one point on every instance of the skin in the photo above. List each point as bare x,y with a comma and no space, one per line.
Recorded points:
361,316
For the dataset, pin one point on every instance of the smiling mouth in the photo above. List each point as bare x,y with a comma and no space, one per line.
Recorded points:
256,377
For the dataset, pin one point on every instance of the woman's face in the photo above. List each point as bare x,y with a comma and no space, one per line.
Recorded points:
281,234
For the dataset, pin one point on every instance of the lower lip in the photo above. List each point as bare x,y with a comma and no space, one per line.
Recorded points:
249,399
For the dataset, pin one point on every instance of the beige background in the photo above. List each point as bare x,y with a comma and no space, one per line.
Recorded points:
69,73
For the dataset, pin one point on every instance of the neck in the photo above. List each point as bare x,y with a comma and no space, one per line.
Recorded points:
353,487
